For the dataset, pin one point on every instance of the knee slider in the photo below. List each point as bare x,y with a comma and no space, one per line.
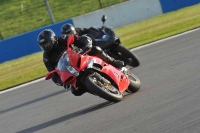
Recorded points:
76,92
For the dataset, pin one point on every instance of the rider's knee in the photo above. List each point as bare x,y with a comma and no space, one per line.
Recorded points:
77,92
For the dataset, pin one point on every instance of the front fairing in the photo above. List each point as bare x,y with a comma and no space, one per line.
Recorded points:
66,71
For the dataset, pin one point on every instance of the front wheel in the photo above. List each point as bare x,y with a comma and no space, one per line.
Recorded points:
103,88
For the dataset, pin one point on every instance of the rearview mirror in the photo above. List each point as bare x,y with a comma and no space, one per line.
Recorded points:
103,19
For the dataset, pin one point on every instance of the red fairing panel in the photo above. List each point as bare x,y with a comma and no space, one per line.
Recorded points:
123,85
118,77
70,40
74,57
86,59
64,76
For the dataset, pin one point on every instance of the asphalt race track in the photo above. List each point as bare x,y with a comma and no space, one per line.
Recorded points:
168,102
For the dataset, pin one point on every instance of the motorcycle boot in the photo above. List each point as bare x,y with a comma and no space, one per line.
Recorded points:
101,54
116,63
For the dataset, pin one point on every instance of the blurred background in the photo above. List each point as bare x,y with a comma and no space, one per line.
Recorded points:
20,16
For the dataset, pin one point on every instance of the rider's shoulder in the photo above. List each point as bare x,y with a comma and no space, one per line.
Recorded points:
63,36
94,27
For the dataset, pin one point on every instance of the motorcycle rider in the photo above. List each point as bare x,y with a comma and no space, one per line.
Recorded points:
69,29
54,46
92,32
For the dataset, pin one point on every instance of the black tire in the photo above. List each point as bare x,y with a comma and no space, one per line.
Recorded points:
102,92
127,56
134,85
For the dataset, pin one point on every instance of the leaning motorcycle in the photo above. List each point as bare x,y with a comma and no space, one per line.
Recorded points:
93,74
105,38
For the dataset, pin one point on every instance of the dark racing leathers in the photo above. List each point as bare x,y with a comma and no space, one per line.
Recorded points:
51,58
92,32
101,37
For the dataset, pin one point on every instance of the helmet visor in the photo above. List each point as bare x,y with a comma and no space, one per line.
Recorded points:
46,46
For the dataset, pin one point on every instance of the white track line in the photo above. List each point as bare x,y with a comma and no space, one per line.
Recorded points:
134,49
162,40
20,86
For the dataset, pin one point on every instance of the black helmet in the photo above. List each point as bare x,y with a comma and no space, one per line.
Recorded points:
68,29
46,40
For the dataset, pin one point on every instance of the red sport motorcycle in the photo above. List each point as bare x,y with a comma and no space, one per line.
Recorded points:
94,75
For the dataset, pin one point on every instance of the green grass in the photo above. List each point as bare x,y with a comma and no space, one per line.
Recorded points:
34,15
31,67
21,70
160,27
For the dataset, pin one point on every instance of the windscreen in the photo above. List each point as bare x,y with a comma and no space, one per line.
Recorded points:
65,65
63,62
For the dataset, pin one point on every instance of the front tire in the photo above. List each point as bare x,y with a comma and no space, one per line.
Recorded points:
108,92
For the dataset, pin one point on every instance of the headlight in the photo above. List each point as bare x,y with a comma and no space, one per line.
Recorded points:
72,70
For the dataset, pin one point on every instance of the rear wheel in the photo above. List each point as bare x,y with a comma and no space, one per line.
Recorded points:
135,83
103,88
127,56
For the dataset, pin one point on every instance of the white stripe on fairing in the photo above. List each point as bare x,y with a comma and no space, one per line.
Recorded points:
134,49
